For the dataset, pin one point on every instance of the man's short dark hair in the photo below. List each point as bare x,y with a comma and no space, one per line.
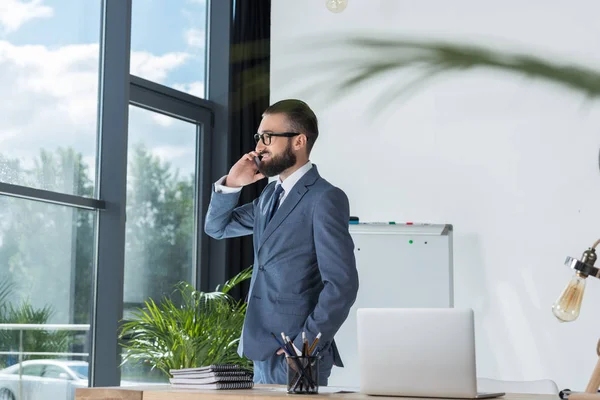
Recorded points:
302,119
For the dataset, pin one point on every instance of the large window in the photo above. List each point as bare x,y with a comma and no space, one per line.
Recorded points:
167,153
160,227
161,180
168,43
49,64
104,177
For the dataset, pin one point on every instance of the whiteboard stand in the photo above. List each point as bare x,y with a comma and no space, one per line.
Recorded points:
399,266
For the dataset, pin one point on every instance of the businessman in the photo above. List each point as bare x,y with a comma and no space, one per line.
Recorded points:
304,277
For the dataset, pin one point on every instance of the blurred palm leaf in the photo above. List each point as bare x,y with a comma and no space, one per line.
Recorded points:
204,330
7,288
371,59
365,60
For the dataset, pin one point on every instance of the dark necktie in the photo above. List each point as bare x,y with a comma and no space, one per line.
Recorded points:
274,202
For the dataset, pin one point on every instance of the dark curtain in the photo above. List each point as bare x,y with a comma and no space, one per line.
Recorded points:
250,63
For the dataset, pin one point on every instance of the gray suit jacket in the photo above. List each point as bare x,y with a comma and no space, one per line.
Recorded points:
304,276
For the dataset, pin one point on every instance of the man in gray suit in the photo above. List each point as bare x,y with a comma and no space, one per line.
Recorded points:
304,277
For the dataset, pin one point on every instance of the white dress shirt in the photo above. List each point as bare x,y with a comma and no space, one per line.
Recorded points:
287,184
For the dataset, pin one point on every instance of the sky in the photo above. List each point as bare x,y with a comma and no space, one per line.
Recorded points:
49,62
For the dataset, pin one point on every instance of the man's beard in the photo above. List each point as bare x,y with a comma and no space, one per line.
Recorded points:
277,164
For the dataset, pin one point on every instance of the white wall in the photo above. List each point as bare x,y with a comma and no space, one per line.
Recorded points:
510,162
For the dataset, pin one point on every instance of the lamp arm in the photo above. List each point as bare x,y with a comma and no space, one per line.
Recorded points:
596,244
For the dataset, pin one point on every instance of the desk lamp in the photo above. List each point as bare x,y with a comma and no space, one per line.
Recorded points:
567,307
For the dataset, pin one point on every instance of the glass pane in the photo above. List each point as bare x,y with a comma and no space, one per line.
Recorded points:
49,75
160,214
168,43
46,269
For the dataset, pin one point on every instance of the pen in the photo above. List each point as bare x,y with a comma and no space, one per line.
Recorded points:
287,343
306,353
314,344
280,344
380,223
304,345
298,352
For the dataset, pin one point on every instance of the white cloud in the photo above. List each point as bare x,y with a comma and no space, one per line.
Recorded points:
162,120
155,68
54,94
53,98
195,88
14,13
195,38
171,153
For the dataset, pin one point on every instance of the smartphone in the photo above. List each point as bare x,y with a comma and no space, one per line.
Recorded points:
257,162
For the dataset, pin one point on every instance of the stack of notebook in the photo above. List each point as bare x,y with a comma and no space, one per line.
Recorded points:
221,376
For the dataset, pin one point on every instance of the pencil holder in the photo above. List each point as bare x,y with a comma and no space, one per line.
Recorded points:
303,375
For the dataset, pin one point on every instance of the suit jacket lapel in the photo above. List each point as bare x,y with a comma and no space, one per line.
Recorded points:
290,202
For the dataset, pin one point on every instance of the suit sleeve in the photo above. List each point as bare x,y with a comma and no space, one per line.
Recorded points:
225,220
337,265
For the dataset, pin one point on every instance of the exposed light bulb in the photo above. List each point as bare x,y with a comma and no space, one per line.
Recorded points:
567,306
336,6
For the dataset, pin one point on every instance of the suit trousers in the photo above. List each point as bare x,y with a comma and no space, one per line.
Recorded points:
273,370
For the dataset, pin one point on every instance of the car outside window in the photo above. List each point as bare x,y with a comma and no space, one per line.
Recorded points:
52,371
31,370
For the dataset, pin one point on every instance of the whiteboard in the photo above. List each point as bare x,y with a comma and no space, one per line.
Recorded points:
398,266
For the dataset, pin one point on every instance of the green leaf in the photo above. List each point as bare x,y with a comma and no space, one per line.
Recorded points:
200,329
368,60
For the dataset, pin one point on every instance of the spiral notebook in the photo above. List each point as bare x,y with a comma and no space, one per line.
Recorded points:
208,368
203,375
211,379
219,376
216,386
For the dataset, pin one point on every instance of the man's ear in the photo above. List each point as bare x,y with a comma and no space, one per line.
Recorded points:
300,141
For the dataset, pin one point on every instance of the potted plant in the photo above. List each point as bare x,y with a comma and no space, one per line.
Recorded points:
188,329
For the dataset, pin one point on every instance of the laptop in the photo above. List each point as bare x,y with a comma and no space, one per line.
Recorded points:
418,352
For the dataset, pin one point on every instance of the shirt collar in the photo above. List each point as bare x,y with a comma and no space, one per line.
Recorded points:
291,180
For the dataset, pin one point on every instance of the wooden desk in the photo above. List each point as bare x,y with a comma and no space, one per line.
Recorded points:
271,392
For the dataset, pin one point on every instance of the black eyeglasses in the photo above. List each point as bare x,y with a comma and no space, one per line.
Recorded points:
266,137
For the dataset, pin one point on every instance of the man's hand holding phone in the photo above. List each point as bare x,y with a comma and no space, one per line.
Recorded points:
245,171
